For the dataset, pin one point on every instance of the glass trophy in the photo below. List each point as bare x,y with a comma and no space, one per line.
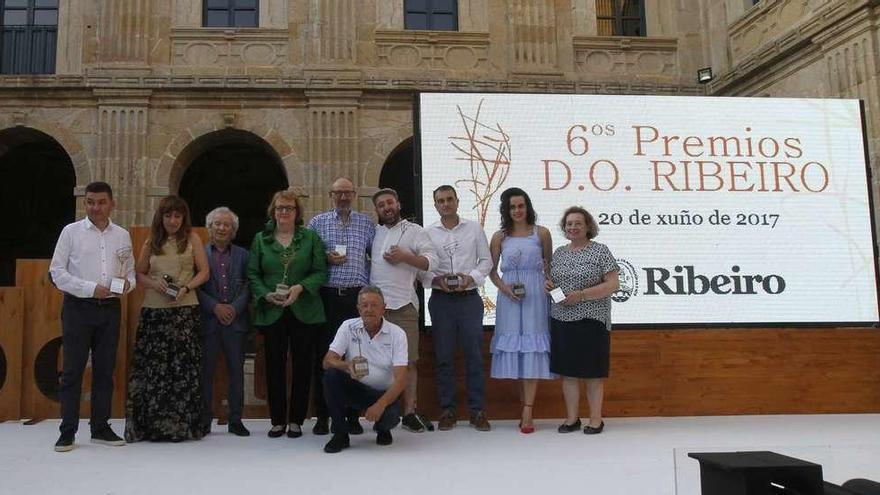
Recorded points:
173,289
117,284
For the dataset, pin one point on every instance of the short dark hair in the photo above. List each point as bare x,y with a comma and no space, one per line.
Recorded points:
592,226
445,187
386,190
100,187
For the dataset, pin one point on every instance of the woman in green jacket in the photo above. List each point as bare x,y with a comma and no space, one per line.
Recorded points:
286,268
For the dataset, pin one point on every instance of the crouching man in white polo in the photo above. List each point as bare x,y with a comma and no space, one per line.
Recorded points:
366,368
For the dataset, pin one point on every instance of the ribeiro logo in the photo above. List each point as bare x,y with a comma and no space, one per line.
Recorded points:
683,280
629,282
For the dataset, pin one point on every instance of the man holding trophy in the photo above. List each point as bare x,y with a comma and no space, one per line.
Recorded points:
456,306
365,368
92,265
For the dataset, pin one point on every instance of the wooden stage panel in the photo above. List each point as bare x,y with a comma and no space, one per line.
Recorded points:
707,372
11,331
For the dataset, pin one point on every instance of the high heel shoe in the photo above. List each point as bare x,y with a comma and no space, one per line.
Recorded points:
526,428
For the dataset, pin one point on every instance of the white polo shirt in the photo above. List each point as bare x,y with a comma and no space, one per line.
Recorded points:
384,351
397,281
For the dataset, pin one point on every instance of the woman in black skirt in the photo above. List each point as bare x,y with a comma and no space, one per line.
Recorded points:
580,324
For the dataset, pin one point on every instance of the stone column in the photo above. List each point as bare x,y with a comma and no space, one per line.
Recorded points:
122,151
333,31
333,132
533,35
123,33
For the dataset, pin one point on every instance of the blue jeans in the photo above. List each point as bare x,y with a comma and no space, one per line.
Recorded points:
341,391
458,317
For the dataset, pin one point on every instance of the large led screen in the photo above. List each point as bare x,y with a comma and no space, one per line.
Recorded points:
718,210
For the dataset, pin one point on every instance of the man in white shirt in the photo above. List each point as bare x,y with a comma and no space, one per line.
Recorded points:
365,368
401,249
93,266
456,306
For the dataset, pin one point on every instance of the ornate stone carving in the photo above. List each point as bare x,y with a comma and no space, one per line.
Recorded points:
212,50
432,50
641,58
770,20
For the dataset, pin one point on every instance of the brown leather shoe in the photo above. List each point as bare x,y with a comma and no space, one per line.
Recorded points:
447,420
479,421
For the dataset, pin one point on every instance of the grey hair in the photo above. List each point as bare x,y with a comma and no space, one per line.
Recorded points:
212,215
371,289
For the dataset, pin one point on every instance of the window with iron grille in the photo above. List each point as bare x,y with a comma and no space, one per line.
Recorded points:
435,15
28,36
231,13
620,17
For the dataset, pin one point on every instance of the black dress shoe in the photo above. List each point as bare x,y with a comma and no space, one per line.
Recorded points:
294,430
277,430
321,427
589,430
238,429
338,442
564,428
65,442
383,437
354,426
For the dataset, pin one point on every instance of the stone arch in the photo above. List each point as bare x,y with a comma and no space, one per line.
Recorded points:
385,145
179,153
397,173
37,184
64,137
233,168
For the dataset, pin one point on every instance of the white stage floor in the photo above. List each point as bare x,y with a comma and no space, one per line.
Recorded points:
633,456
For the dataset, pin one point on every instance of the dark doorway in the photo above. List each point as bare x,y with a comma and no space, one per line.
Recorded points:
36,194
398,174
235,169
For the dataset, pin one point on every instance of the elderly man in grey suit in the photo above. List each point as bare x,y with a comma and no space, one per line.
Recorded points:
224,302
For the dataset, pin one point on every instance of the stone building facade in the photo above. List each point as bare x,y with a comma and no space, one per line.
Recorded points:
142,95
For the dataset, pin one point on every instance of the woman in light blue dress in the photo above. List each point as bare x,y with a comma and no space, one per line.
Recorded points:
521,343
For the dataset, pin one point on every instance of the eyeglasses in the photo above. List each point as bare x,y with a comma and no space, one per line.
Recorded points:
285,209
342,193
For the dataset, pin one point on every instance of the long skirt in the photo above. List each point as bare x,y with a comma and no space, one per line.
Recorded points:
165,387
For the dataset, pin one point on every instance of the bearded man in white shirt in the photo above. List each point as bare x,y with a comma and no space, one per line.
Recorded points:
93,266
401,249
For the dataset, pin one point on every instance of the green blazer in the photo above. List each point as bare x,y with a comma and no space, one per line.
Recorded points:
308,268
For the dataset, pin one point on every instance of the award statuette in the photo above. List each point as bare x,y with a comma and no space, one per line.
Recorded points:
282,290
173,289
518,288
452,280
389,247
360,364
117,284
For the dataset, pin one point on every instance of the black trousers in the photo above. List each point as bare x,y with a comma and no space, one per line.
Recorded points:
339,305
232,343
288,334
344,393
88,326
